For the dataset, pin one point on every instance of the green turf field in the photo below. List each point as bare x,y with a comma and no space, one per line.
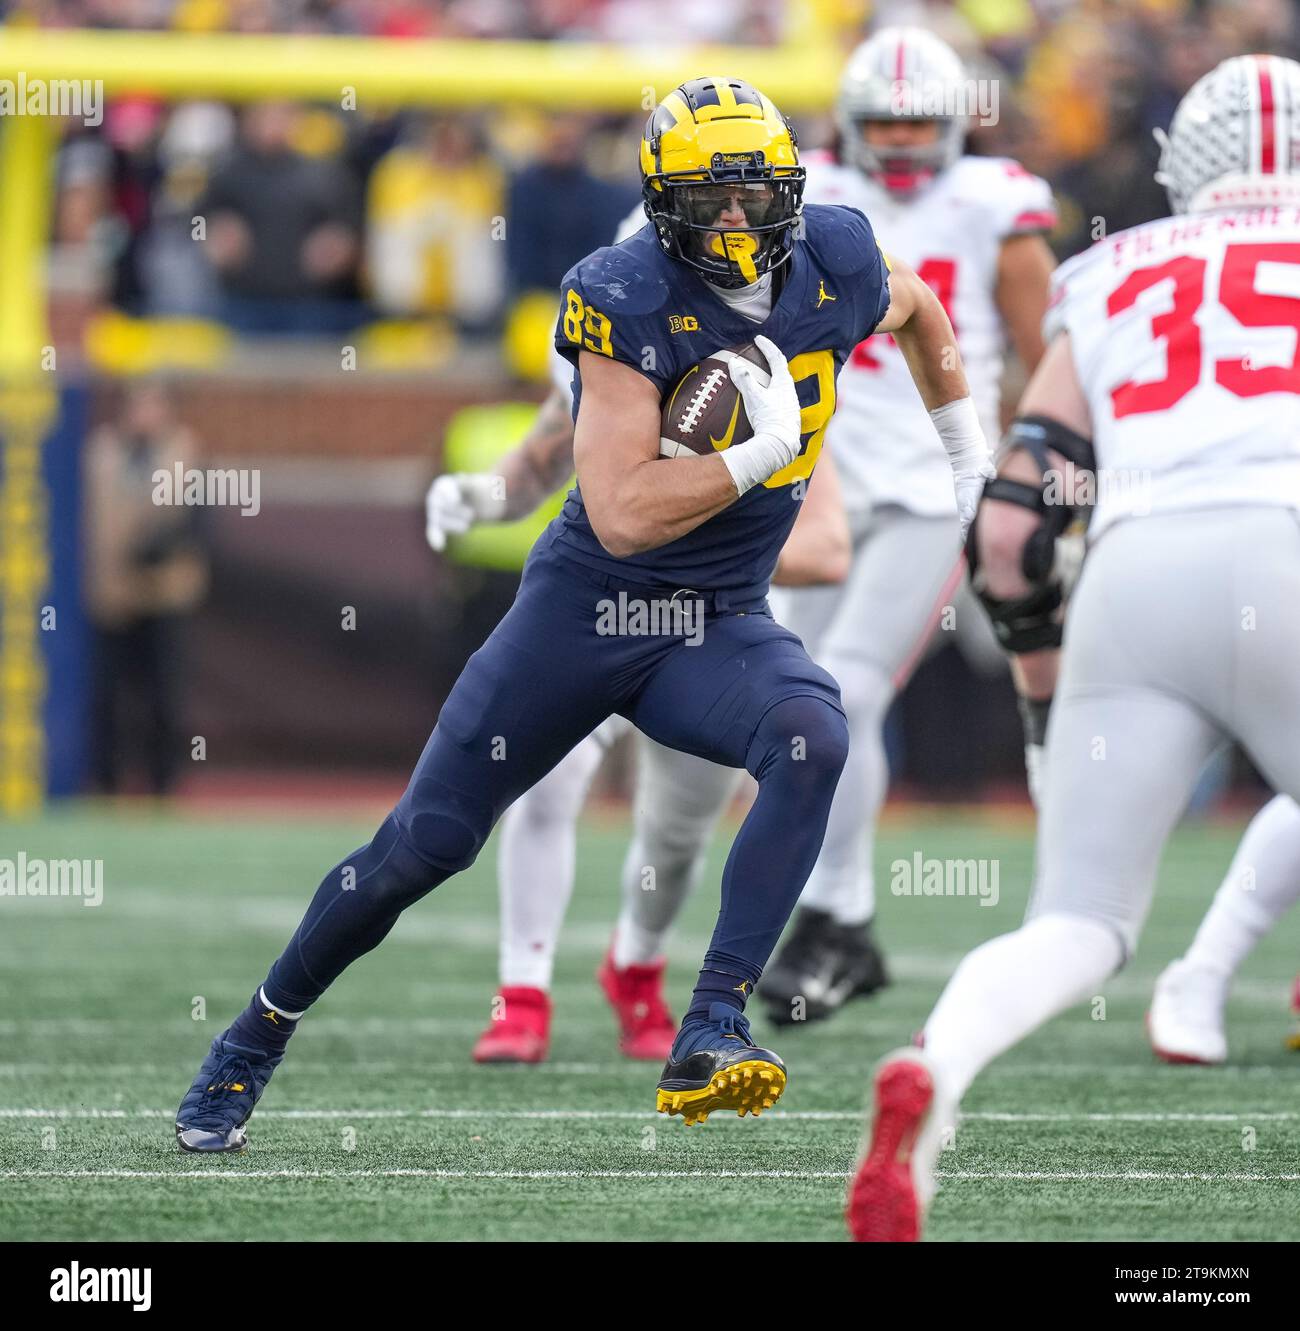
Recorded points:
379,1127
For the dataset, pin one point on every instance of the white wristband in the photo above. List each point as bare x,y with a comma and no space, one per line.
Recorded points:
756,459
959,428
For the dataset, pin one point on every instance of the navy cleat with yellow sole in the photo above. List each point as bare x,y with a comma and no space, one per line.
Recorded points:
221,1098
715,1064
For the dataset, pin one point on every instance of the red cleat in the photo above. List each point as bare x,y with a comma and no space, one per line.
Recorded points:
645,1028
886,1200
521,1029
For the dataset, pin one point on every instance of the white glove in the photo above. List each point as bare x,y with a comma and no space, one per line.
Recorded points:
773,410
459,500
959,428
969,485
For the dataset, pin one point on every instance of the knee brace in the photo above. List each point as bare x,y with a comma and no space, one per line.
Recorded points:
1031,623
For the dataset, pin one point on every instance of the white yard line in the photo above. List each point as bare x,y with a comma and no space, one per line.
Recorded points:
1117,1176
804,1115
421,1173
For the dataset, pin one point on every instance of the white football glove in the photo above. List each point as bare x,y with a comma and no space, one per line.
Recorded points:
772,408
774,416
962,435
460,500
969,485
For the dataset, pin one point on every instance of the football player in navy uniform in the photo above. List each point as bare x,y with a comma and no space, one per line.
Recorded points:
688,541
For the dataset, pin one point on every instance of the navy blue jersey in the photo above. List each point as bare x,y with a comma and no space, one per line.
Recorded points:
633,303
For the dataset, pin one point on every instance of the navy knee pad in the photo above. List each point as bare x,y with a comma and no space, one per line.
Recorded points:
442,826
390,872
805,730
446,842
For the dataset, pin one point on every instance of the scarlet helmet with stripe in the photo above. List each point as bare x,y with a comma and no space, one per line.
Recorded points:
1235,137
902,74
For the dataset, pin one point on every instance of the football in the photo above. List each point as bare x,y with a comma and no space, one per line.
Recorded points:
704,413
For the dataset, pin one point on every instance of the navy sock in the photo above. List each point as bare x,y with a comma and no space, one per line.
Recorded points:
796,755
260,1029
723,979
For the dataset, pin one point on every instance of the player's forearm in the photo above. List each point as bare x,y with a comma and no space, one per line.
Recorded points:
924,334
638,501
541,463
523,487
929,347
655,502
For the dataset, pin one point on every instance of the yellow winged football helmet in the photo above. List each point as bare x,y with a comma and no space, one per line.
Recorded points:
712,149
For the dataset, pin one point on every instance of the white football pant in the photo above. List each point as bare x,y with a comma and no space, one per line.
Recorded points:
869,632
1182,633
535,860
1261,885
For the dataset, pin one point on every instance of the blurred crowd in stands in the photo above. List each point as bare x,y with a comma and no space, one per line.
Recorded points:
295,218
285,218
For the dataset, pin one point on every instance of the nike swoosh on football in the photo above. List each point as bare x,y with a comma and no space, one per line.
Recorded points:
725,441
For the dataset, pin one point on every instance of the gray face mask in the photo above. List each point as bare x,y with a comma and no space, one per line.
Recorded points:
901,170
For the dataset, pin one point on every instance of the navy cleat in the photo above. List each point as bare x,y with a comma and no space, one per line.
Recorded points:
715,1064
220,1100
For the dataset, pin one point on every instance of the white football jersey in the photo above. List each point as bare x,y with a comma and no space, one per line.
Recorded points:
1185,334
951,233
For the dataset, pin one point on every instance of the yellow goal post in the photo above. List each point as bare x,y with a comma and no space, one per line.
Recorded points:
799,74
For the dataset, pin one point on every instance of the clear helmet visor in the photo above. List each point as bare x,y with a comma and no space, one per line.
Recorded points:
733,228
744,204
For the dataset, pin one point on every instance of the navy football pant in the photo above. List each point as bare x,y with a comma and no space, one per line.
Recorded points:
738,689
